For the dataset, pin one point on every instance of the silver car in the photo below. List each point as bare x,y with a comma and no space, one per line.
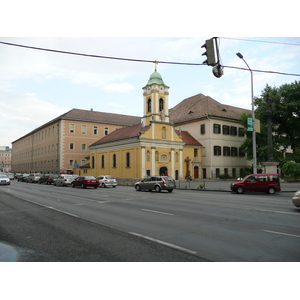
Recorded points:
107,180
33,178
64,180
156,183
4,180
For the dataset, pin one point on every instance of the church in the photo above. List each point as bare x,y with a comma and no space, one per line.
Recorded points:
152,147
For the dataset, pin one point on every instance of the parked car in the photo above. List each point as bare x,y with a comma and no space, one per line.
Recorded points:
23,177
269,183
17,175
107,180
33,178
11,176
48,178
64,180
296,199
156,183
4,180
85,181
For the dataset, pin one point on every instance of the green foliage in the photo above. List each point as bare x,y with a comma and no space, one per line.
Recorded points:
285,123
291,168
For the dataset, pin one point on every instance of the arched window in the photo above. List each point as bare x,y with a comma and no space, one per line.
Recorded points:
114,161
127,160
161,104
149,105
102,162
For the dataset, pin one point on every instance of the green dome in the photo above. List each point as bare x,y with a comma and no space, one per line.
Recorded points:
155,78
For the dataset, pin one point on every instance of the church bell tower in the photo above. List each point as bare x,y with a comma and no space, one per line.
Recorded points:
156,98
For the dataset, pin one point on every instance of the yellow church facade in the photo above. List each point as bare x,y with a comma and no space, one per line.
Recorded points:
152,147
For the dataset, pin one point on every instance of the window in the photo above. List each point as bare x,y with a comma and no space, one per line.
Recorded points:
106,131
217,128
226,151
83,129
234,151
95,130
71,162
225,129
241,153
217,172
93,162
217,150
233,172
226,171
148,155
161,104
102,162
195,152
72,146
83,147
127,160
202,129
241,131
233,130
72,128
114,161
83,162
149,105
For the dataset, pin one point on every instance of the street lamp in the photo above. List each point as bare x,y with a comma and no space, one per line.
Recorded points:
253,118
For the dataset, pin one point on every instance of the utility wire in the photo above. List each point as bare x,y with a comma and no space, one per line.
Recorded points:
138,60
258,41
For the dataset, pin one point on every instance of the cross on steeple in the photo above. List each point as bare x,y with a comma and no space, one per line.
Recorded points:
156,63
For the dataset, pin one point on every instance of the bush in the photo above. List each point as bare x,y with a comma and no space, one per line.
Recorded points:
224,176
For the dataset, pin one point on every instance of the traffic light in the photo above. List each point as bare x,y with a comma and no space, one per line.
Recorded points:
210,52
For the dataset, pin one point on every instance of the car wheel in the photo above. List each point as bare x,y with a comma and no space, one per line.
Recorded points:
157,189
170,191
83,186
271,190
103,185
240,190
114,186
138,188
73,185
95,187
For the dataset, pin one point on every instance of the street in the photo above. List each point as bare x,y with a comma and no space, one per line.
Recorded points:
48,223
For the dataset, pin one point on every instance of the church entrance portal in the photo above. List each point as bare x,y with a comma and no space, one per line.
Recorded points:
163,171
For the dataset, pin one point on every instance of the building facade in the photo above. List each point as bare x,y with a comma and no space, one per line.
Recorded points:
219,129
5,159
61,144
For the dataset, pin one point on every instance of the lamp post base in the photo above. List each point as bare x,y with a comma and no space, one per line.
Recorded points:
270,167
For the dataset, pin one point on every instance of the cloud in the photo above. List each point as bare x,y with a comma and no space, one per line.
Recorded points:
118,87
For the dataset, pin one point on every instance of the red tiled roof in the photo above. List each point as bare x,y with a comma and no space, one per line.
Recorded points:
188,138
121,134
200,106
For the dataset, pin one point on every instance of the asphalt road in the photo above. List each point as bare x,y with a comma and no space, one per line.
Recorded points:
47,223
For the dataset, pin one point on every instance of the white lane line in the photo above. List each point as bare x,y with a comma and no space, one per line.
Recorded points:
164,243
157,212
282,233
62,211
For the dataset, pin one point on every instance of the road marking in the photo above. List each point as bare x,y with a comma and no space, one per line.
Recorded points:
282,233
158,212
164,243
62,211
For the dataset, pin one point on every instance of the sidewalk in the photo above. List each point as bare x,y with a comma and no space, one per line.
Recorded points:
224,185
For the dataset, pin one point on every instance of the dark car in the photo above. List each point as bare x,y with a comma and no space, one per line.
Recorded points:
156,183
85,181
23,177
48,178
269,183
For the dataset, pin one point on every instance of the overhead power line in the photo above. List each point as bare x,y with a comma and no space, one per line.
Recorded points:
137,60
258,41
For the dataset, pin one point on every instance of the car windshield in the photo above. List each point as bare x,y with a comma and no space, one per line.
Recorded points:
167,178
3,176
89,177
109,177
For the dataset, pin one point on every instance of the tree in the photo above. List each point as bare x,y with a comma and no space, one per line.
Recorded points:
285,123
291,168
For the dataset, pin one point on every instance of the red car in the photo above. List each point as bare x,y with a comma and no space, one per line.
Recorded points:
85,181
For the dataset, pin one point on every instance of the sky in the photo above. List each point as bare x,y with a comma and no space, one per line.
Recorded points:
37,86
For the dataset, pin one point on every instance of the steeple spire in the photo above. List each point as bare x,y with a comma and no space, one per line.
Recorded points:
155,63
